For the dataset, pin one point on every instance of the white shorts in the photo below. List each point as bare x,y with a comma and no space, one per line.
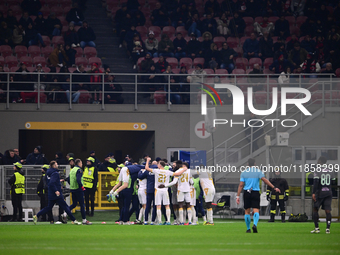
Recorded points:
142,196
174,198
183,197
209,194
193,197
162,195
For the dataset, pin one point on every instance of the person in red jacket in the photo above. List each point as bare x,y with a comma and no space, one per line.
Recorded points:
96,79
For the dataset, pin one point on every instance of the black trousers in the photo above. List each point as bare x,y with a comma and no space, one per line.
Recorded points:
43,204
89,196
17,205
273,203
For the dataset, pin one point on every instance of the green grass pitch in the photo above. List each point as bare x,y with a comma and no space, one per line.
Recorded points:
226,237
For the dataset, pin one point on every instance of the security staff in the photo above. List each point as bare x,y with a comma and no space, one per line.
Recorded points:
275,197
109,165
90,179
42,191
17,182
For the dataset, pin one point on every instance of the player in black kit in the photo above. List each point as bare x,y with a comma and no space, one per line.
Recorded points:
322,193
274,197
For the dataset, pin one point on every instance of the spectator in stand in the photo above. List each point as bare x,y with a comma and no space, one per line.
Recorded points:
180,16
282,27
323,13
165,47
310,65
75,92
52,90
222,25
279,65
212,6
320,55
194,47
184,86
197,76
59,158
279,42
146,63
266,46
86,36
75,15
159,16
212,57
36,157
174,88
112,92
264,26
152,81
31,6
328,69
137,50
32,37
80,78
133,6
25,20
308,44
16,152
58,57
18,35
209,24
71,36
120,24
24,80
138,19
207,41
308,27
40,24
53,25
227,57
96,78
297,7
71,55
284,78
251,47
281,51
151,44
9,158
193,25
237,25
129,38
329,23
180,45
320,29
297,55
256,80
11,20
292,42
5,35
162,64
240,6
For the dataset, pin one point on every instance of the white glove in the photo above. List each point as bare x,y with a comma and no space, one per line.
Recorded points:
115,193
111,192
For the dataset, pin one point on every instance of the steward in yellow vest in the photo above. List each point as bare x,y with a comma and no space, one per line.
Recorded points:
90,179
17,182
42,191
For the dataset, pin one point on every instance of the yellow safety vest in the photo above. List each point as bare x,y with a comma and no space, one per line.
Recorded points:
111,169
19,183
307,188
88,177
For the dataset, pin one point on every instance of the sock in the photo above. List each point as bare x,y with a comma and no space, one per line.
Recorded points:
184,215
159,215
180,212
328,219
84,220
256,218
247,220
316,219
189,214
210,215
194,215
204,218
168,214
176,213
141,212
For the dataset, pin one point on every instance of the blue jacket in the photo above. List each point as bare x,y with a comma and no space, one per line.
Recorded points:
251,46
150,184
53,183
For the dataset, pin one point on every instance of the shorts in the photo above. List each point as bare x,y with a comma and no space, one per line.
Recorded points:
193,197
142,196
183,197
251,200
209,194
162,195
174,197
324,202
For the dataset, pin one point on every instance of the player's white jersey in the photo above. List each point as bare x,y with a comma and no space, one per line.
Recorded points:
124,175
142,183
206,180
183,181
162,177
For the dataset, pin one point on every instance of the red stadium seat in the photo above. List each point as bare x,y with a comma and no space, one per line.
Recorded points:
248,20
243,39
249,30
198,61
173,62
34,51
156,30
273,19
39,60
316,97
84,97
57,40
16,9
294,30
95,60
90,52
267,71
176,70
238,71
291,20
13,69
337,72
260,97
3,8
6,50
45,10
267,62
46,69
186,61
169,30
20,51
181,29
59,11
241,63
239,51
232,42
11,61
46,40
159,97
253,61
219,40
79,53
27,60
209,71
142,30
221,71
81,61
300,20
155,60
46,51
258,19
2,61
72,69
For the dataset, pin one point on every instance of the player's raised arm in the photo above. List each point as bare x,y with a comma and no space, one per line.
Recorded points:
147,165
180,171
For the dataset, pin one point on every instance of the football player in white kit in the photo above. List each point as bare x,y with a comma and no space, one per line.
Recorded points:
208,187
142,198
162,176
